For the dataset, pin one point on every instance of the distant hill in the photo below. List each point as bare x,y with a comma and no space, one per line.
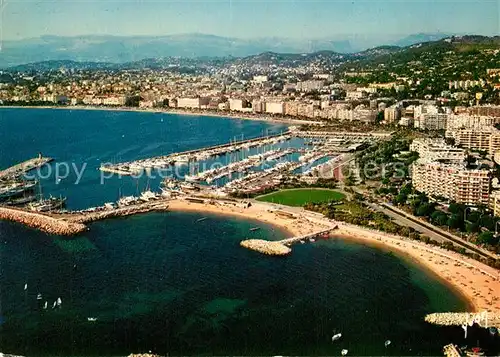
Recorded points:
288,57
420,38
122,49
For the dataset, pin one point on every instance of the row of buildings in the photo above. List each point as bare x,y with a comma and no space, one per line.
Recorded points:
441,171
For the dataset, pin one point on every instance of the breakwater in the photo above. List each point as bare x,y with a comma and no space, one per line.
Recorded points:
42,222
23,167
87,217
484,319
266,247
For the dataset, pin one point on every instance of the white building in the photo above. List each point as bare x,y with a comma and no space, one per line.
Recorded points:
275,108
433,149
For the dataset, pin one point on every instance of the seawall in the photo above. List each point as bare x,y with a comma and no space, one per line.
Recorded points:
42,222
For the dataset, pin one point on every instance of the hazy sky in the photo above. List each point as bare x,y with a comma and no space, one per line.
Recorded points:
249,18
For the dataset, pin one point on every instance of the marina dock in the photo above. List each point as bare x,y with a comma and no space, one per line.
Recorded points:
24,167
138,166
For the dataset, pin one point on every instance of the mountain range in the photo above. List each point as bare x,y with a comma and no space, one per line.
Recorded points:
122,49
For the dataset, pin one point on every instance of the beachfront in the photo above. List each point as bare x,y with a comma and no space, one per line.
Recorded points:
187,112
475,281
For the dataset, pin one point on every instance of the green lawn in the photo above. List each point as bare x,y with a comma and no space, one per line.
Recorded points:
301,196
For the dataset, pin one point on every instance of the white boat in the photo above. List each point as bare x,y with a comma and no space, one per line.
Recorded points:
39,296
387,343
336,337
92,319
46,304
344,352
55,304
59,301
127,201
25,286
148,196
191,178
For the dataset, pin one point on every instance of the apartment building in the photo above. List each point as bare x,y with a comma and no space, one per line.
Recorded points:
237,104
431,121
193,103
477,122
308,86
275,108
392,114
487,139
452,181
486,110
433,149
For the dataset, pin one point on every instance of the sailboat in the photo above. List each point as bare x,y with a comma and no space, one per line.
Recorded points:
49,204
59,301
39,296
344,352
45,306
25,286
387,343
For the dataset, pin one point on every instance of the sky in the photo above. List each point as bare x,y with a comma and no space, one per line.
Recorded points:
297,19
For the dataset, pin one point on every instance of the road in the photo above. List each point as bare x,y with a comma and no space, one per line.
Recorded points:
428,229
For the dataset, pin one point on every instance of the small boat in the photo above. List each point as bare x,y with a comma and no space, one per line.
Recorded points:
25,286
45,306
344,352
55,304
336,337
387,343
254,229
39,296
312,240
201,219
92,319
59,301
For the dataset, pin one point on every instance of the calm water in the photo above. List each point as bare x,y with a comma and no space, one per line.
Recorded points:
166,283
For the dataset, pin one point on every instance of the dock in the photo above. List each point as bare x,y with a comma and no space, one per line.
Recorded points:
159,162
24,167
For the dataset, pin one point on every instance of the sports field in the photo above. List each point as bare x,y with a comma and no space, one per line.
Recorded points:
301,196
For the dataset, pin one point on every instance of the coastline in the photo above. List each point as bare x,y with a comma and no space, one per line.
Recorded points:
227,115
473,281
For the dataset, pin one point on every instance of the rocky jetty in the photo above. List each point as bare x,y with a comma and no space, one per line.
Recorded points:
266,247
484,319
42,222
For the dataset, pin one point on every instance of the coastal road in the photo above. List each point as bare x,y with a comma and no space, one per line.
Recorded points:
405,219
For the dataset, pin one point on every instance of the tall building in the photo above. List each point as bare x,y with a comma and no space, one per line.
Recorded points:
487,139
392,114
237,104
431,121
433,149
275,108
477,122
452,181
487,110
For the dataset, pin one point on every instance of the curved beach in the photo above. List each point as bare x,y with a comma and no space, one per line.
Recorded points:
478,283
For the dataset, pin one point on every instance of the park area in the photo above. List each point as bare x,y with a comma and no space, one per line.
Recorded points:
301,196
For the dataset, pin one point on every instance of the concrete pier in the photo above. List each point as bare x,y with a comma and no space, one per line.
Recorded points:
24,167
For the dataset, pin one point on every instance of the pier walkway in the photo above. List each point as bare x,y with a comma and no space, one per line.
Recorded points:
289,241
280,247
138,166
23,167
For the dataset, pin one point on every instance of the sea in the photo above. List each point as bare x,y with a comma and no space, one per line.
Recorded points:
175,284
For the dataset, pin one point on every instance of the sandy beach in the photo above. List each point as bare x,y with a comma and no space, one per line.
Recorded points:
478,283
264,118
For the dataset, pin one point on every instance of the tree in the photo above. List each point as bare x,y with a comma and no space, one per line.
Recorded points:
486,238
440,218
455,221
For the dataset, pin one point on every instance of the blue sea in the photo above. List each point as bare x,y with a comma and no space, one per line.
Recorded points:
170,284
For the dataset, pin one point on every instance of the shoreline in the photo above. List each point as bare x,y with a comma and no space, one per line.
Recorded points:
472,281
228,115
